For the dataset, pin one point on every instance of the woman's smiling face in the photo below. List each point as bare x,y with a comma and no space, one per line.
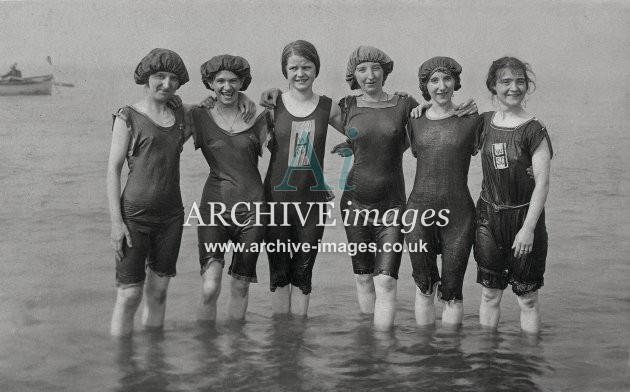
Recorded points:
369,76
511,87
441,86
226,85
301,73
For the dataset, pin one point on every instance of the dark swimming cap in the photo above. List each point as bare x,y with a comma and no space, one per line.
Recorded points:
160,60
440,63
236,64
364,54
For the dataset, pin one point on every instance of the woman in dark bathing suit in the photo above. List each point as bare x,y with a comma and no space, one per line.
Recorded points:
376,121
147,218
295,175
511,237
443,144
231,147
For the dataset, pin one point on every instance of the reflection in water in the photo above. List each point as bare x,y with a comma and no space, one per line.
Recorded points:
154,375
286,354
434,360
322,354
505,362
127,364
208,357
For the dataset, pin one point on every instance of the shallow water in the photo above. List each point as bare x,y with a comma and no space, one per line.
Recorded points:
58,282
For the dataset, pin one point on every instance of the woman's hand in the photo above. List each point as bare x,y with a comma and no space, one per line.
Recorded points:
530,172
118,235
246,106
175,102
523,242
343,149
269,97
419,110
208,102
466,108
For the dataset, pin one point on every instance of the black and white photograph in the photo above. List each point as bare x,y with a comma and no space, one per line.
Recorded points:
315,195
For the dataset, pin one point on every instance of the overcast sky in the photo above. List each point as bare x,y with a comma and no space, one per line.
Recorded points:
568,40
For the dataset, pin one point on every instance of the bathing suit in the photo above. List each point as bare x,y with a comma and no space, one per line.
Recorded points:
375,182
295,174
443,149
151,203
506,191
233,178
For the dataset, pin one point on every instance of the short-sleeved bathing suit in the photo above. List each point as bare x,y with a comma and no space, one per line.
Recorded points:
443,149
234,178
151,202
506,190
295,175
375,181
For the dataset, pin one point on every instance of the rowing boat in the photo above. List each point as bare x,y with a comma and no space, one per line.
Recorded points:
34,85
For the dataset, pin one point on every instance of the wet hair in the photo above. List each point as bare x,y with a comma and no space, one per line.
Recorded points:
300,48
515,65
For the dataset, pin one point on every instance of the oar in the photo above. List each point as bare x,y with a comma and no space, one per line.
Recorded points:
63,84
56,83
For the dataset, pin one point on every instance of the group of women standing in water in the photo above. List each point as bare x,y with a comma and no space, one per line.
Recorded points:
507,227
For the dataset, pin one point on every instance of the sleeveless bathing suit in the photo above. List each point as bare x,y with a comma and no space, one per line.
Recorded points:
295,174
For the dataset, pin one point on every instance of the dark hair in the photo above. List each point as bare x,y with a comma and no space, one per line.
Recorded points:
514,64
303,49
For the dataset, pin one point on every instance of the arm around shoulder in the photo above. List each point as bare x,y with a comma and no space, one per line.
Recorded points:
189,129
336,118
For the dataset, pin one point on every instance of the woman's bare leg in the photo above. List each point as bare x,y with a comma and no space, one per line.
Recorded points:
490,307
239,298
299,301
281,300
365,292
127,301
385,305
155,288
530,315
425,307
210,291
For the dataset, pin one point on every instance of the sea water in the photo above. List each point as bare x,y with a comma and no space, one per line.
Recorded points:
58,286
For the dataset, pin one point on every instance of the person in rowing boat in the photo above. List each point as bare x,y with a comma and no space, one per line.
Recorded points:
13,74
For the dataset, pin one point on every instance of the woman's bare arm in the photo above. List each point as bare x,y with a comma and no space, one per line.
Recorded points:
541,162
117,154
